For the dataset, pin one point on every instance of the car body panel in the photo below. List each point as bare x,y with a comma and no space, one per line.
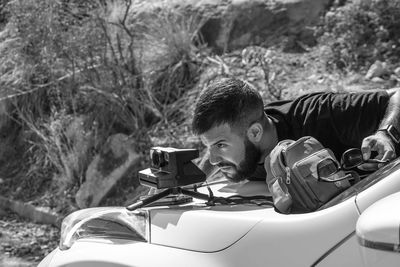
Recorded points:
373,258
262,244
294,240
345,253
379,188
380,223
119,253
242,235
192,228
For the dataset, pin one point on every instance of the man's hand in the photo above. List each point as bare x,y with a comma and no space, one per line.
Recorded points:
382,145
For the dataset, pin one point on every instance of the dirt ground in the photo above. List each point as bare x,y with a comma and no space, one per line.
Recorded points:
23,243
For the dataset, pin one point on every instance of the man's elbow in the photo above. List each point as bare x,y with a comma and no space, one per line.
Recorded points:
394,91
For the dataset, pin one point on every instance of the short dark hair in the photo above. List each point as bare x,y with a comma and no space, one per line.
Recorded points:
230,101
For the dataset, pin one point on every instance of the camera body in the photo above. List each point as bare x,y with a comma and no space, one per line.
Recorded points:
171,167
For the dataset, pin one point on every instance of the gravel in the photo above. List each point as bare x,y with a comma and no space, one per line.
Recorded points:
23,243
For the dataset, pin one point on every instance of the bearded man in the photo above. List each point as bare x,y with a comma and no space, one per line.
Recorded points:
240,132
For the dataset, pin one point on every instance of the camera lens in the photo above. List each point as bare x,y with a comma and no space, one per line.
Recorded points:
157,159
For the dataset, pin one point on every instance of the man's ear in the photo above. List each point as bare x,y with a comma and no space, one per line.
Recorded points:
255,132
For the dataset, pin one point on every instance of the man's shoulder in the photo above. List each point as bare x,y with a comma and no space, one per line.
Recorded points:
303,99
324,104
328,96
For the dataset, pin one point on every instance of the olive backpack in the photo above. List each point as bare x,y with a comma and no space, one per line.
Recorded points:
294,175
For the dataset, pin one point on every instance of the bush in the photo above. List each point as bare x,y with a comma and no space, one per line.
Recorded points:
77,72
360,33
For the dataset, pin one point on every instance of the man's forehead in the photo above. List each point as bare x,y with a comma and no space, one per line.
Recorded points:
217,133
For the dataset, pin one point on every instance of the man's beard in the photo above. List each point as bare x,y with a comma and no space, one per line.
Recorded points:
247,166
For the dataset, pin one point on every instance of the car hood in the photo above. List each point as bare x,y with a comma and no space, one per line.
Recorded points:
204,228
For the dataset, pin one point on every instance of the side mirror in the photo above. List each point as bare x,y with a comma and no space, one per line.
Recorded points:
378,232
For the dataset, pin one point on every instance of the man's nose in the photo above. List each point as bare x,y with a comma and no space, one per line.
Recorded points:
214,158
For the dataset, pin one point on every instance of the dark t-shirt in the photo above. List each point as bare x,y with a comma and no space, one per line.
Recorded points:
338,120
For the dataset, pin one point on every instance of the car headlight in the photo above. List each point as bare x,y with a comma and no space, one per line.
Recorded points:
104,222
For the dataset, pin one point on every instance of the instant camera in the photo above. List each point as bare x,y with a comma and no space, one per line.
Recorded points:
171,167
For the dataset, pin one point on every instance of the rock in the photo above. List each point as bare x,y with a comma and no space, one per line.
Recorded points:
393,81
377,69
394,78
234,24
255,56
26,210
377,80
261,22
115,160
397,72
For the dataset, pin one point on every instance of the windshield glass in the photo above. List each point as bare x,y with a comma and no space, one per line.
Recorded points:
364,183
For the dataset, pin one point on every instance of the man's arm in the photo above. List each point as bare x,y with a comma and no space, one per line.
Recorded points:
392,116
383,142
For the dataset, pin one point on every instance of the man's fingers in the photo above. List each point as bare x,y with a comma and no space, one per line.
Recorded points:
367,146
379,144
389,154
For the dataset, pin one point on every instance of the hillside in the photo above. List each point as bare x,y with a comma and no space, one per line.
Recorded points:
89,88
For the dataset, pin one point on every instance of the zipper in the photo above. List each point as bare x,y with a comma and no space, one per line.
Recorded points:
287,175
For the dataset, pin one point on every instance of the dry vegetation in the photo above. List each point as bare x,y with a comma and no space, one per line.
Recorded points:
72,73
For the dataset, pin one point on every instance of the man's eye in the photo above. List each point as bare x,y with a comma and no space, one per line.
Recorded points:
221,145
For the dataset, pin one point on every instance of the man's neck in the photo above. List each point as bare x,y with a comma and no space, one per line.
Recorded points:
269,139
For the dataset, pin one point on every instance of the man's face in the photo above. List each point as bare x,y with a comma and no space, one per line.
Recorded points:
235,155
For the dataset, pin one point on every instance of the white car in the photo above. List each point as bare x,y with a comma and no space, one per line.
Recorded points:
197,235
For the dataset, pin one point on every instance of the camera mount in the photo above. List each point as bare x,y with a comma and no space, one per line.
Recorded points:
165,193
172,168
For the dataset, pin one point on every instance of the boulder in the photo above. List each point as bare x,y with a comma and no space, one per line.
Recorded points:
397,71
261,22
116,160
377,70
228,25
